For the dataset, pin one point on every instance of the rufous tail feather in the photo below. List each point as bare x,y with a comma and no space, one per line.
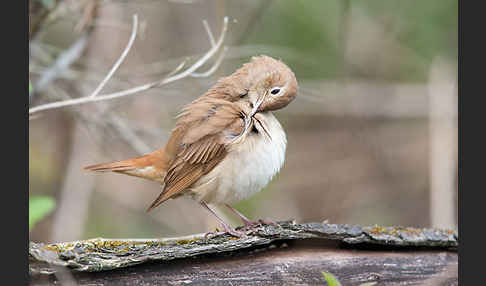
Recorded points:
152,166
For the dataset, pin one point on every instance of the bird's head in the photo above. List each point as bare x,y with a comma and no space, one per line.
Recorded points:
265,83
271,84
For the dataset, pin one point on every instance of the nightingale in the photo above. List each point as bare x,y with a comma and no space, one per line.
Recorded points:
226,145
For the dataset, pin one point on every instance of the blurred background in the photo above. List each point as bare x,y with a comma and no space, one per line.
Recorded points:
372,136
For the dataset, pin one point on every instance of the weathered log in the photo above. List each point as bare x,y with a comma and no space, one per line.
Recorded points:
287,253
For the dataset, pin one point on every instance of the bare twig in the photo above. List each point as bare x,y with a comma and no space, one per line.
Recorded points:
129,135
89,12
112,120
144,87
210,33
220,58
177,69
120,59
63,61
214,67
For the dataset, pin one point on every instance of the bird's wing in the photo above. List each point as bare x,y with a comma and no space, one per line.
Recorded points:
199,142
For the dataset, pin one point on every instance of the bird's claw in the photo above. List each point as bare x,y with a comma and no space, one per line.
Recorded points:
212,234
227,230
248,228
251,224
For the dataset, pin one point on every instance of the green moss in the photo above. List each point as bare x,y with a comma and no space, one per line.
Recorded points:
395,231
186,241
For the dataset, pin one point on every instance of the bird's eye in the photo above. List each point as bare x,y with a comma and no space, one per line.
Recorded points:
275,90
244,94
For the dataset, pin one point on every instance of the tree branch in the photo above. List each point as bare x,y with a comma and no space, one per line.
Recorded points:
178,76
105,254
120,59
62,63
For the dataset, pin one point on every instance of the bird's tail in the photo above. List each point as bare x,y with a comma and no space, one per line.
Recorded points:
152,166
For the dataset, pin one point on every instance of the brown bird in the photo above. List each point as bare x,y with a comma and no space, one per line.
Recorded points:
226,144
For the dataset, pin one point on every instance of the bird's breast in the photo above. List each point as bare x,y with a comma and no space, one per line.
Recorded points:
249,165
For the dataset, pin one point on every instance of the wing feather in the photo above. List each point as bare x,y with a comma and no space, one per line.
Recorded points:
204,130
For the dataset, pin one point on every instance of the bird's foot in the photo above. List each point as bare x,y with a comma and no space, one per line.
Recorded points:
237,233
251,224
254,226
227,230
212,234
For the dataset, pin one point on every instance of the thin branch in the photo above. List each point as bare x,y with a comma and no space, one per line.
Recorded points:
63,61
129,135
120,60
218,61
144,87
201,61
214,67
210,33
177,69
112,120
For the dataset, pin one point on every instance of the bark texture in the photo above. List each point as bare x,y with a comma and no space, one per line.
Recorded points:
282,254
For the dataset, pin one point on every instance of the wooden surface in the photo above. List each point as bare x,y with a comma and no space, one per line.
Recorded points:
288,254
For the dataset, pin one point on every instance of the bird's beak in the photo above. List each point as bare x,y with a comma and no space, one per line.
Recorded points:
249,117
259,102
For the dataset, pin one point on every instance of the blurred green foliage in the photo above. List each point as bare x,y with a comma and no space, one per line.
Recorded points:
39,208
49,4
331,279
423,29
428,27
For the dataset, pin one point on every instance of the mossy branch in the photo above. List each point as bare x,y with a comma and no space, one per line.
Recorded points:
101,254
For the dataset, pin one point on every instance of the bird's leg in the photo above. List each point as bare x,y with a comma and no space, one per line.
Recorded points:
226,227
247,222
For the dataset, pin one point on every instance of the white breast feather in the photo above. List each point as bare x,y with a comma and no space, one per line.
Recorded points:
248,167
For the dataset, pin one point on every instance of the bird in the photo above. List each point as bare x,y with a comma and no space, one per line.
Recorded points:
226,144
